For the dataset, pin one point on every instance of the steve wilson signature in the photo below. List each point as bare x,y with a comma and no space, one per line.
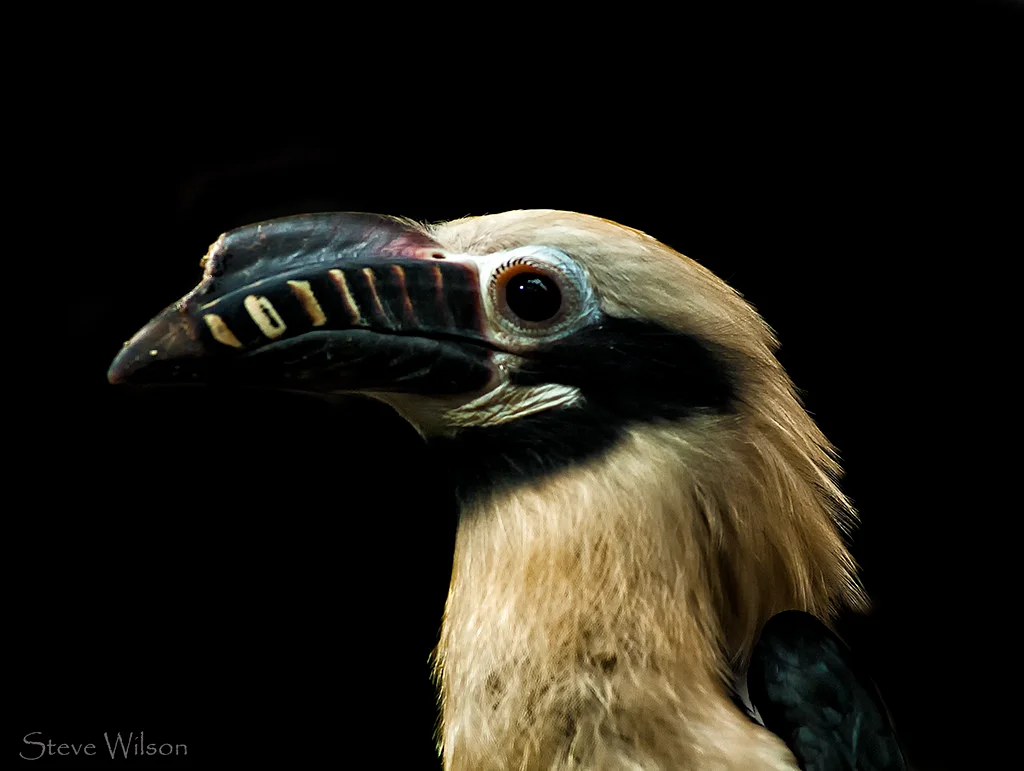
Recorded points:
118,745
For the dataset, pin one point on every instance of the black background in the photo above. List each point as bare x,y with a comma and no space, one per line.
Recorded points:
263,575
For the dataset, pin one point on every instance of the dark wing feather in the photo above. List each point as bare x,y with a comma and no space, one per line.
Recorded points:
808,690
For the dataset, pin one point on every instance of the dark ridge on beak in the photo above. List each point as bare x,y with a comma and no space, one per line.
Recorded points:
320,301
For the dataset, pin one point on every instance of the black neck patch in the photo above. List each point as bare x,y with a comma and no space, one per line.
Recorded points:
628,371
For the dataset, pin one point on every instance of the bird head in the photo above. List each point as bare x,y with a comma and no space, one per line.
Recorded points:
551,354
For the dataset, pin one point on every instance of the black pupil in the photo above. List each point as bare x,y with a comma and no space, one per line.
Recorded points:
533,297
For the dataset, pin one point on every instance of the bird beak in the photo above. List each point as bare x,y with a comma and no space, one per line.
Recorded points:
325,303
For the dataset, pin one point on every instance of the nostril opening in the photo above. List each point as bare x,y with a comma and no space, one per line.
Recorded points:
428,253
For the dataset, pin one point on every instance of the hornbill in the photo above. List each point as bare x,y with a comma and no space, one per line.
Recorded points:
651,538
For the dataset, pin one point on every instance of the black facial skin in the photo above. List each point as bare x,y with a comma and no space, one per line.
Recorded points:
628,371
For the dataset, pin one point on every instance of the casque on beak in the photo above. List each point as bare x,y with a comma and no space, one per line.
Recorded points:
327,303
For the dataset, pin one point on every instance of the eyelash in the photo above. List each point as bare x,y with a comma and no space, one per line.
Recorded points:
505,266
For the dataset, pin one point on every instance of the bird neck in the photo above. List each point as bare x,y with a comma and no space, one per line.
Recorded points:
585,621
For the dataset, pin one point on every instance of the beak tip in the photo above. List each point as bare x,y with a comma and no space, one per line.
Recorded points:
124,364
155,350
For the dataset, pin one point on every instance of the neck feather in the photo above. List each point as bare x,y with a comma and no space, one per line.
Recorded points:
593,614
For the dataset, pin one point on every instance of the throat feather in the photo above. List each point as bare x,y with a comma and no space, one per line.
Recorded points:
586,618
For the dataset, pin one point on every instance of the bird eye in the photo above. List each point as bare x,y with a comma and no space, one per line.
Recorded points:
536,293
533,296
529,295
